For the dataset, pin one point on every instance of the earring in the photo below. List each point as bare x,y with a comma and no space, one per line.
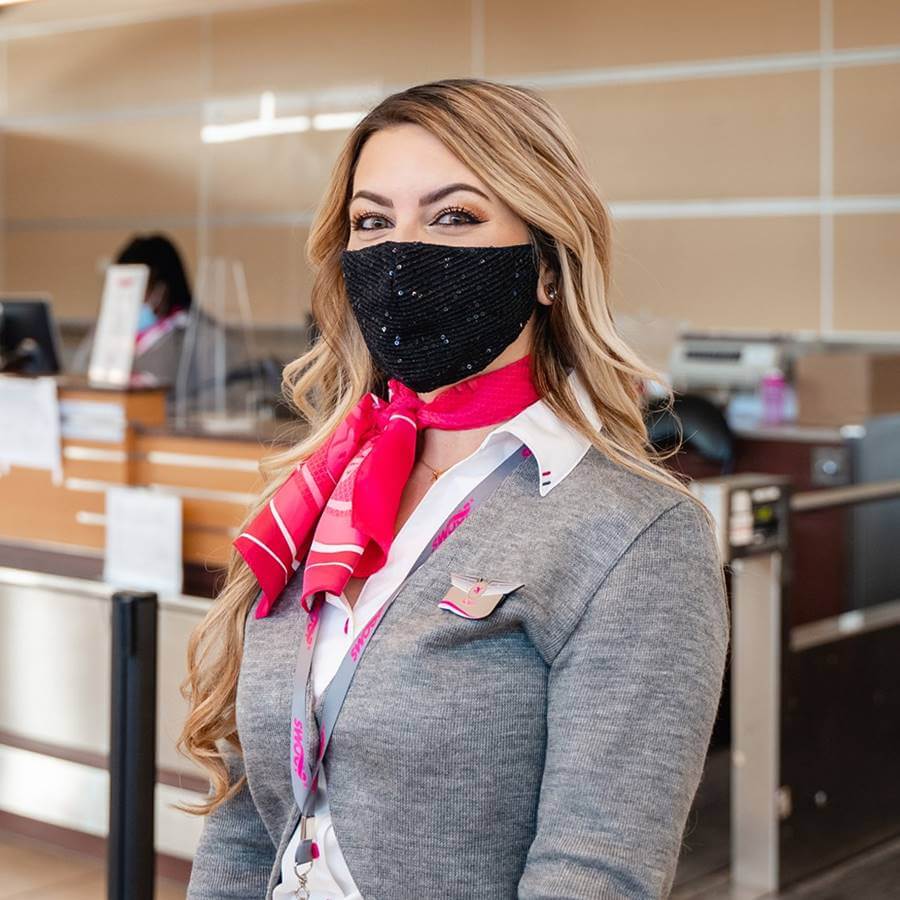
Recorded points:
551,291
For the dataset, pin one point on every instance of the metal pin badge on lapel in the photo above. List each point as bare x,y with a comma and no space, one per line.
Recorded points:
475,598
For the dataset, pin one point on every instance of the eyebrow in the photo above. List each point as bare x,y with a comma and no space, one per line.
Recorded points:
425,200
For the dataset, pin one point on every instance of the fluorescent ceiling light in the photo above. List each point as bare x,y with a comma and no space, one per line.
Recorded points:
239,131
267,123
336,121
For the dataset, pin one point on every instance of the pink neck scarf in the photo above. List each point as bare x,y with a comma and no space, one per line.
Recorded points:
337,509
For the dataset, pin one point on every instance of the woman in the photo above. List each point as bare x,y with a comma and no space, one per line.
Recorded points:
163,315
473,633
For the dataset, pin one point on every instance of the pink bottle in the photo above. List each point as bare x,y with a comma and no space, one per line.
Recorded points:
773,390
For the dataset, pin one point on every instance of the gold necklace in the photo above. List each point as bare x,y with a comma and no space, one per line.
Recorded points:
435,473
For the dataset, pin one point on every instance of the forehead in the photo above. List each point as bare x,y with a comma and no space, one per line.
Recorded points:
408,160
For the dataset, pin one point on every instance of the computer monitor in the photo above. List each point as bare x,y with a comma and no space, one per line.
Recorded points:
28,339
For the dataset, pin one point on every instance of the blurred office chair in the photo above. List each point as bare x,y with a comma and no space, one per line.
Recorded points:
696,424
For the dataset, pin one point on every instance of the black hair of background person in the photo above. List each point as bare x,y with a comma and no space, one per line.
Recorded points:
160,254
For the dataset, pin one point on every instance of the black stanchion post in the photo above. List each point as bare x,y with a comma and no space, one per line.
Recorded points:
132,747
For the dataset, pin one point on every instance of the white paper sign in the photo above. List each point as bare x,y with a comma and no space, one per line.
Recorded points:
92,420
29,424
113,350
143,540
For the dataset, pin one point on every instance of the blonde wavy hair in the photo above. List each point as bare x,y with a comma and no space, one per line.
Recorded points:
522,150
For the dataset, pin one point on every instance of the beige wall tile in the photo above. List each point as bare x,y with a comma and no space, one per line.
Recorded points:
867,130
347,42
728,137
867,273
278,278
69,265
282,173
530,36
123,168
135,65
719,273
860,23
62,14
4,79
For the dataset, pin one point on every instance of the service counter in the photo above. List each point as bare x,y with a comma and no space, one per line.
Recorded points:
113,437
55,610
842,559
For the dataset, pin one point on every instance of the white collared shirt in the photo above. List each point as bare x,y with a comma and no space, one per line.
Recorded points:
557,449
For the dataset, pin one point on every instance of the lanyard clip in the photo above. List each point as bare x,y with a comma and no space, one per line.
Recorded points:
307,853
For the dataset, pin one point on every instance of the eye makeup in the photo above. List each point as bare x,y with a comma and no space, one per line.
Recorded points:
468,215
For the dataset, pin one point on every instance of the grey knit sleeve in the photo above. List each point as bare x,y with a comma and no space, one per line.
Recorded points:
235,856
632,698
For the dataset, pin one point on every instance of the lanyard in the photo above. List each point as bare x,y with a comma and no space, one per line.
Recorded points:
305,770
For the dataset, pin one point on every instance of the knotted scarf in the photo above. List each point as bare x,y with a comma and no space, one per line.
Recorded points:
337,509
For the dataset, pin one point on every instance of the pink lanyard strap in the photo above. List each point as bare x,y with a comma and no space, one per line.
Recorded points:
305,770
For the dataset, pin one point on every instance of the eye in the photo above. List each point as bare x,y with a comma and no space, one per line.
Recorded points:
369,221
457,215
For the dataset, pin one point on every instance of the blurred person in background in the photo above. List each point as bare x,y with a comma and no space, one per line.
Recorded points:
164,314
471,600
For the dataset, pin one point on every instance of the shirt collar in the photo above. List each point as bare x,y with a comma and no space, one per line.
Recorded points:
557,447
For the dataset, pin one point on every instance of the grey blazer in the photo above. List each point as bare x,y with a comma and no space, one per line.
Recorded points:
550,750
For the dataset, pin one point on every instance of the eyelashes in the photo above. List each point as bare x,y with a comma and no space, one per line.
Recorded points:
468,216
356,222
471,217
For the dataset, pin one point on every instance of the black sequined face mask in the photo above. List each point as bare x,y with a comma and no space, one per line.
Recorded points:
432,315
